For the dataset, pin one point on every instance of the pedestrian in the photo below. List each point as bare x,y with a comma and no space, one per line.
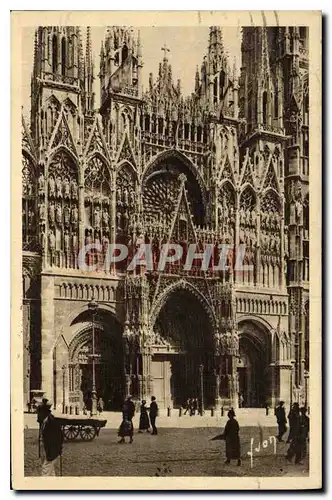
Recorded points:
187,406
296,436
126,429
100,405
153,415
231,436
52,439
241,400
281,420
129,408
292,415
144,422
194,406
304,422
43,410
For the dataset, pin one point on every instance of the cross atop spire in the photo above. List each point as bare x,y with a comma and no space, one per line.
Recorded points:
165,49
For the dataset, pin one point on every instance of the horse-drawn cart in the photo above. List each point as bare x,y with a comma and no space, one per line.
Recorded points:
75,427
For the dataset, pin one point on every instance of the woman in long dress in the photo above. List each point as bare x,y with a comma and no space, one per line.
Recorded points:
126,428
231,436
144,421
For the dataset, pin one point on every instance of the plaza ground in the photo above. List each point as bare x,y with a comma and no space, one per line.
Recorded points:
173,452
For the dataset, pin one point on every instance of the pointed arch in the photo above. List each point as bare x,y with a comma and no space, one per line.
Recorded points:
248,197
175,162
270,200
182,285
97,176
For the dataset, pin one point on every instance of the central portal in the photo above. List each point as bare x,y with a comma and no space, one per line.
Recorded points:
183,360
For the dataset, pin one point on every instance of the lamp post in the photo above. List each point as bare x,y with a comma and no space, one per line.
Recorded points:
201,369
93,308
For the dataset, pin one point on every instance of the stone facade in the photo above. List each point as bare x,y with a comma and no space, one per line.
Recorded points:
228,164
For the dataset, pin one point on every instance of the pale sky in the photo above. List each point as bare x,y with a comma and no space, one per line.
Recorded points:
187,45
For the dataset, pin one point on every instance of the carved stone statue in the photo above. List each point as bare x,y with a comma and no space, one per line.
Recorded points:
66,215
42,212
58,214
97,217
58,187
66,243
51,187
41,184
66,188
51,241
74,189
51,215
106,217
74,214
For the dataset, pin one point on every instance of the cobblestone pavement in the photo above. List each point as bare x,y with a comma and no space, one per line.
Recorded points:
173,452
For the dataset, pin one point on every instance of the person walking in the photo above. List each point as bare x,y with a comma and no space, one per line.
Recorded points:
292,416
188,406
281,420
304,423
52,438
144,421
100,405
153,415
231,436
126,429
296,436
194,406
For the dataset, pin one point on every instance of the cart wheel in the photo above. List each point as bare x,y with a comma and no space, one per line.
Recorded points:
70,432
87,432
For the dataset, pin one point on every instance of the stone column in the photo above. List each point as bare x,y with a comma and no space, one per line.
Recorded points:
217,382
147,380
47,334
285,383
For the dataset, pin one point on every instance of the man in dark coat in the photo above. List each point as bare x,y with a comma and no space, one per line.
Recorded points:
43,411
129,408
153,415
296,436
52,438
292,416
281,420
231,436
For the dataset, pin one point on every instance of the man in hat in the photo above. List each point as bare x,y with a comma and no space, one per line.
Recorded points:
281,420
52,438
231,436
153,415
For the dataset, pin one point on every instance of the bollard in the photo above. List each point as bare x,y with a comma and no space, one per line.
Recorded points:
168,411
266,410
222,411
180,412
212,412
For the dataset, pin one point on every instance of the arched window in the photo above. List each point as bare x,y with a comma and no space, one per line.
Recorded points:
147,123
63,56
264,108
54,54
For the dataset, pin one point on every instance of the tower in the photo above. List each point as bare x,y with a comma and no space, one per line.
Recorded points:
295,60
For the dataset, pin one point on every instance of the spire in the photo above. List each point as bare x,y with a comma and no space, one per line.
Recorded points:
216,38
165,49
139,46
88,54
197,82
263,62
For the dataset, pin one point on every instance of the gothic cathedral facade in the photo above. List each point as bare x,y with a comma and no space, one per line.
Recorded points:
227,164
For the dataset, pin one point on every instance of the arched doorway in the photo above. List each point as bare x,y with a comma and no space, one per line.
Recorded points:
109,371
254,373
183,341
